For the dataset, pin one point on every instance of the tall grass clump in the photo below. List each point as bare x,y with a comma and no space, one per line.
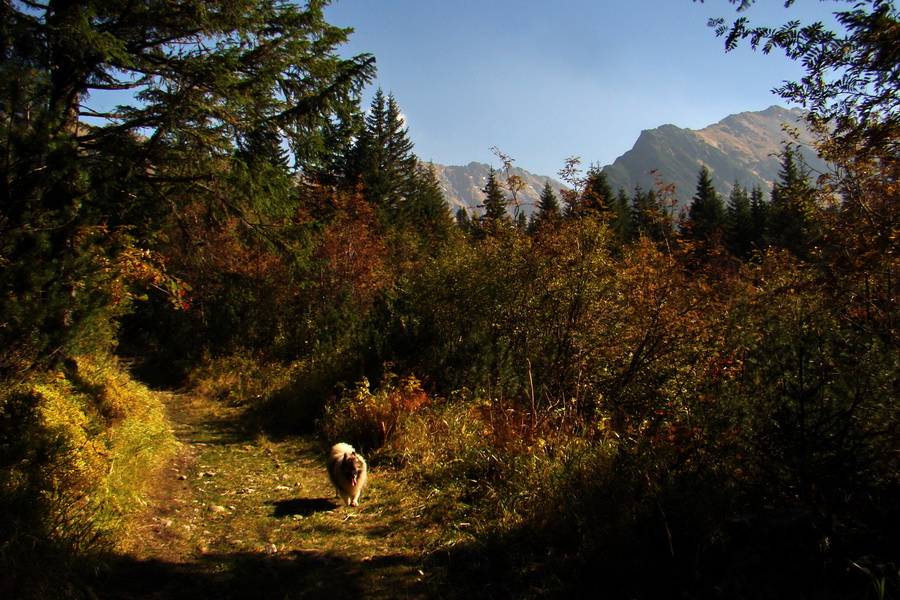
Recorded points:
77,448
284,397
240,378
369,418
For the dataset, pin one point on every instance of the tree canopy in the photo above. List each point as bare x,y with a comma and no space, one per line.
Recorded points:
202,86
240,220
851,80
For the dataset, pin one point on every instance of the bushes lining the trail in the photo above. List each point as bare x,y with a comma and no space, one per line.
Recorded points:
767,468
76,450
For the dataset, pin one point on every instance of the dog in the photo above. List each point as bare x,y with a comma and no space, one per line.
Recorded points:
348,472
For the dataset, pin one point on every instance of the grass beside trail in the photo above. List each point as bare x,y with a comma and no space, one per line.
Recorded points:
239,515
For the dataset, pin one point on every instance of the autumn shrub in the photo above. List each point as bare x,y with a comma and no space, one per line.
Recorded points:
240,378
76,451
560,321
609,459
441,443
454,440
814,399
557,516
453,319
368,419
474,470
555,512
442,449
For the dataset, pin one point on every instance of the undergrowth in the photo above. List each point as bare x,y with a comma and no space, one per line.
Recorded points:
280,397
542,499
76,450
556,502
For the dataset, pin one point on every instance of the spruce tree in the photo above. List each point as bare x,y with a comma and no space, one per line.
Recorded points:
218,101
548,208
597,196
427,211
495,214
621,218
739,222
463,221
521,221
642,212
793,224
649,218
706,214
548,203
383,163
759,217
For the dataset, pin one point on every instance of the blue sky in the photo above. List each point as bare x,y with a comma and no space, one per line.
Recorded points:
544,80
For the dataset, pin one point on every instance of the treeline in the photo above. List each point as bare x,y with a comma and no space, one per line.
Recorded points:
617,390
609,388
744,223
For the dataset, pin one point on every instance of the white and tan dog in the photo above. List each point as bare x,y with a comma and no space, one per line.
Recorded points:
347,471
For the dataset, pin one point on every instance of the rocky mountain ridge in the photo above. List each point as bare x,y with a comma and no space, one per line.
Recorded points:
463,185
743,148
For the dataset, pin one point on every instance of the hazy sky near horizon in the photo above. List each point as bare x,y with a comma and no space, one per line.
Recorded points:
544,80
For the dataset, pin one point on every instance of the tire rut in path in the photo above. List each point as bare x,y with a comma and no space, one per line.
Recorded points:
238,515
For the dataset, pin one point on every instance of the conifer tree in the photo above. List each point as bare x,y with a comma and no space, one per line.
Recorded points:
793,222
495,214
739,222
548,203
759,217
382,160
706,214
642,212
621,222
427,210
597,196
463,221
218,91
548,208
521,221
649,218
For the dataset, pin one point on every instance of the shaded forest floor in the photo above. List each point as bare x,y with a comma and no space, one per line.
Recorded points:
240,515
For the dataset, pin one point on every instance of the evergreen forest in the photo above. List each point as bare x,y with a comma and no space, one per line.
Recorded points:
612,396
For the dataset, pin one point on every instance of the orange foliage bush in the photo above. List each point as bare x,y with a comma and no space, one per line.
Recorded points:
369,419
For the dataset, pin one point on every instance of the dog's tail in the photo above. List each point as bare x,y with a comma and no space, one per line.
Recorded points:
342,449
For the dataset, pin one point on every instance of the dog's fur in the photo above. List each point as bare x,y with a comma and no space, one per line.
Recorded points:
348,472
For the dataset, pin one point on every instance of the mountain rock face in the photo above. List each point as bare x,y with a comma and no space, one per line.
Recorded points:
741,148
463,186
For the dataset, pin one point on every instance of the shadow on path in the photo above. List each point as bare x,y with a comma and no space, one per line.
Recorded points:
296,574
302,506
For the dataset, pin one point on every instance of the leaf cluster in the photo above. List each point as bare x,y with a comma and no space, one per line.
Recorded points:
851,76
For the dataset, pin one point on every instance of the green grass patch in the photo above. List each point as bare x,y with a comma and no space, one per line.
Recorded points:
76,451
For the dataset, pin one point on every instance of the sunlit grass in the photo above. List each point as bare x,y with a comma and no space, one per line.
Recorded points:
88,440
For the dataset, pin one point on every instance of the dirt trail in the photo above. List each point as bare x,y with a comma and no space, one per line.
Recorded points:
237,515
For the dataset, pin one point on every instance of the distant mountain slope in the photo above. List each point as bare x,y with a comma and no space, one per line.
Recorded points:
741,148
463,186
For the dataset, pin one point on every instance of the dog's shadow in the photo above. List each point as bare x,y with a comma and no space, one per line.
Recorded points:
302,506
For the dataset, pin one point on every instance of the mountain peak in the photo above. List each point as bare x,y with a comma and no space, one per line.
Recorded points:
742,148
463,185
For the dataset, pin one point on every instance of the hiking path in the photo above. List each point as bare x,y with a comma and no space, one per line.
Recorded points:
237,514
